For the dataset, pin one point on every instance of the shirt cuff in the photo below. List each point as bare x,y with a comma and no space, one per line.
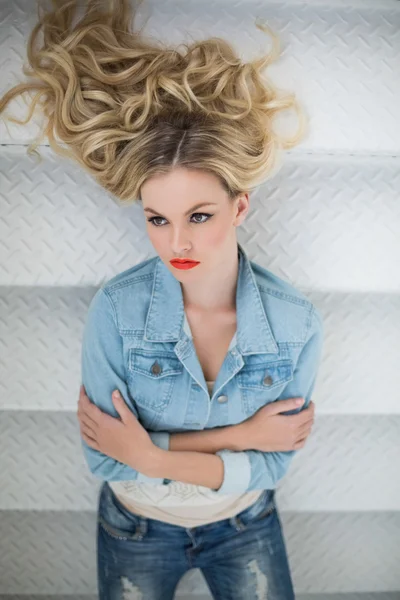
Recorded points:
237,472
160,439
142,478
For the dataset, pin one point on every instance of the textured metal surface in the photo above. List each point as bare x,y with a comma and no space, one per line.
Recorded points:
325,223
342,60
41,329
328,552
328,222
346,465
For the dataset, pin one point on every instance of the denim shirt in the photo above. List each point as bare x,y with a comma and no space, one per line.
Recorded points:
137,339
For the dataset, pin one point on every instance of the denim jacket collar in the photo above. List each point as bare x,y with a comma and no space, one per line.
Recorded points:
166,319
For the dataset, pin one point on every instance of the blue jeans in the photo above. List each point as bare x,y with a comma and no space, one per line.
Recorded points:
241,558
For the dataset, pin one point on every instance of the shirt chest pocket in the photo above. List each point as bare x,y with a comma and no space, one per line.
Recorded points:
152,379
261,381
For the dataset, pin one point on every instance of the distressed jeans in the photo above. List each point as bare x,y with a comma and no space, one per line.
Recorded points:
241,558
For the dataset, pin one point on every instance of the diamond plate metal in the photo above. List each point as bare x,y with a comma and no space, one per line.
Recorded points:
340,58
328,222
328,553
41,330
347,464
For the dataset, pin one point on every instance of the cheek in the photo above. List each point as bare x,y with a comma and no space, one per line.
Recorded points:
156,237
217,235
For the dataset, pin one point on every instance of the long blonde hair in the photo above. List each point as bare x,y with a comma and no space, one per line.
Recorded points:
127,108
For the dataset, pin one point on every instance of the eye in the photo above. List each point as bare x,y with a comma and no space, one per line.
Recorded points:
202,215
153,221
207,215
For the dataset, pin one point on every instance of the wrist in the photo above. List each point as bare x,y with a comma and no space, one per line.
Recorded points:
208,441
154,461
230,437
239,437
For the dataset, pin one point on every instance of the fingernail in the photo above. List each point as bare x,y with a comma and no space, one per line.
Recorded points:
299,401
116,394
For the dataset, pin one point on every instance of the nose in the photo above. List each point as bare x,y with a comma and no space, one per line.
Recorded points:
180,242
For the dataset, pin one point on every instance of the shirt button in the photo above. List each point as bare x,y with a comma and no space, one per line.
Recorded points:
268,380
155,368
222,398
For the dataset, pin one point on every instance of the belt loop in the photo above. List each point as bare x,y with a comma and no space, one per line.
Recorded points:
237,523
141,529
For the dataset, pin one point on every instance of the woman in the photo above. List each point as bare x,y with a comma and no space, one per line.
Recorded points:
215,358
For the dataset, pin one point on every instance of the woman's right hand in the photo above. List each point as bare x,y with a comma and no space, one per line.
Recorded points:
270,431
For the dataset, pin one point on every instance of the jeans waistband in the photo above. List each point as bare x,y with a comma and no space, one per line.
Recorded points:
264,504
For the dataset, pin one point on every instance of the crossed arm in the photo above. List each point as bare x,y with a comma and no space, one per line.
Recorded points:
211,458
192,457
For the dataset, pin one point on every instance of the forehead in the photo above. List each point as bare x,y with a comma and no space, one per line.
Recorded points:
183,186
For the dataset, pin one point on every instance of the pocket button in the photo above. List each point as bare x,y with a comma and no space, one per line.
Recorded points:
268,380
156,369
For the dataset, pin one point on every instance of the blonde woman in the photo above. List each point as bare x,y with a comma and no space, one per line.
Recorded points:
214,357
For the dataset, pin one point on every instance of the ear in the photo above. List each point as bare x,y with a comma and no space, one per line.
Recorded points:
242,208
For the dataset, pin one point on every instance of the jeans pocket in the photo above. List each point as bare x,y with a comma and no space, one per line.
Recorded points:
116,519
268,510
262,507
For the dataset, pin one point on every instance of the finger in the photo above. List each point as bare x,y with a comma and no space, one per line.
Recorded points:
85,418
121,407
90,409
88,431
308,411
308,424
82,393
304,416
310,408
299,444
303,432
86,410
83,397
280,406
306,420
90,442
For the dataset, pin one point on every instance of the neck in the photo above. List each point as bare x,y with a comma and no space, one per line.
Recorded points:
218,291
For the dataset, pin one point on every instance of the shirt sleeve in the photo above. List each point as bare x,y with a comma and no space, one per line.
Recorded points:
103,371
252,469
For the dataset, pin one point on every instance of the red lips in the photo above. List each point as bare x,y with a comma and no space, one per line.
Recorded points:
184,263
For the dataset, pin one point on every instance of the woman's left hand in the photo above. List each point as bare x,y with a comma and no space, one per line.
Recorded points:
124,438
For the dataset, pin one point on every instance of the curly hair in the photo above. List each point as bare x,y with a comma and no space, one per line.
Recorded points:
128,108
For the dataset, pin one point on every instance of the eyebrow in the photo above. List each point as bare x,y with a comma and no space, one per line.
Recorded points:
150,210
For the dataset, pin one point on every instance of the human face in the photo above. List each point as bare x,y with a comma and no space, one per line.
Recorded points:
193,218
